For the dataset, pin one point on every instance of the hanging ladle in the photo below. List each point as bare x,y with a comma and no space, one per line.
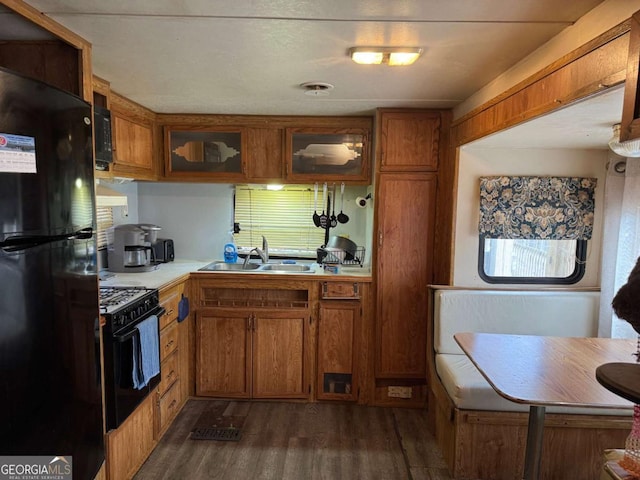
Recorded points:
316,217
342,217
334,220
323,217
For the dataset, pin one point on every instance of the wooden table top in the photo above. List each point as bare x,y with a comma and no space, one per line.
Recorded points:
547,370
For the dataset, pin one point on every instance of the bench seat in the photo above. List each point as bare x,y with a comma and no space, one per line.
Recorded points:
469,390
483,435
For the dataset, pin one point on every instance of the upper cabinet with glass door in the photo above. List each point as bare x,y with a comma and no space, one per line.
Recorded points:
328,154
209,153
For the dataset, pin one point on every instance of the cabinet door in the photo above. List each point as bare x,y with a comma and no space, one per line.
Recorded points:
338,327
264,154
278,354
630,124
409,140
133,147
129,445
205,153
223,353
405,245
328,154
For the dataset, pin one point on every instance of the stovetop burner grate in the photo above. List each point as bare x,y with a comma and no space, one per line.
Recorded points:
124,305
114,296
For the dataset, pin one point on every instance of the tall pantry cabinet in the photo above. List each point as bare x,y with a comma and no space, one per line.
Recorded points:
408,148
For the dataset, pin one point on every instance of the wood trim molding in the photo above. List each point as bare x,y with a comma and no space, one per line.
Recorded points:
131,108
272,121
630,124
597,65
585,49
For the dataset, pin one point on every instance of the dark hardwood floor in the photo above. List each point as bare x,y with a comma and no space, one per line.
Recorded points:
298,441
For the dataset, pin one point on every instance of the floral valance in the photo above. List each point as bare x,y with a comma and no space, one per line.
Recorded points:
537,208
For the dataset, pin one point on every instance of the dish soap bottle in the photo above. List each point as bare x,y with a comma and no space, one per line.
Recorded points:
230,253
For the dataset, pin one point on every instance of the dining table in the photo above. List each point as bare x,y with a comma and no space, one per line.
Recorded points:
542,371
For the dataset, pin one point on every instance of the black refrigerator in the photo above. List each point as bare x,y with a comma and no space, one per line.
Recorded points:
50,382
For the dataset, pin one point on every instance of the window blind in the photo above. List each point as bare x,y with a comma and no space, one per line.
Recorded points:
284,217
104,216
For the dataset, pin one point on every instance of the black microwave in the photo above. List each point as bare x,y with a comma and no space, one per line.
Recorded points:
102,129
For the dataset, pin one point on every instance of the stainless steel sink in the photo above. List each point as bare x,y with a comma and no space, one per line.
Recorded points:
219,266
285,267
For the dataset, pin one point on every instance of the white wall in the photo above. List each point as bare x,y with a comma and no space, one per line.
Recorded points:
602,18
198,216
476,162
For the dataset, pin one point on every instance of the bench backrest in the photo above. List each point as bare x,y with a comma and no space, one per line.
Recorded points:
558,314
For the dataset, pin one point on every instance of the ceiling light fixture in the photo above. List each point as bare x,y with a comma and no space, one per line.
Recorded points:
393,56
629,148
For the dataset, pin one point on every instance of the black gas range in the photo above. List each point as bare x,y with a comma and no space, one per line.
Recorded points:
124,308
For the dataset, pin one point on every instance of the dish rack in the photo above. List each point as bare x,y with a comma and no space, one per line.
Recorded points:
341,257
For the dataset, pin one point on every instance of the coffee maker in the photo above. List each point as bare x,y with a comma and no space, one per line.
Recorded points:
130,248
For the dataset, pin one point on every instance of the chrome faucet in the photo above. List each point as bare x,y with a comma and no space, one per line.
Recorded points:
264,253
265,250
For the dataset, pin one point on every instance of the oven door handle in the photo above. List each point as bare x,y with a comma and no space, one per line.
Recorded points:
131,331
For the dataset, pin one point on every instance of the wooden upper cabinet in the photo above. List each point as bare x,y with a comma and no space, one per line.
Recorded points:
264,154
264,149
132,136
630,124
205,153
52,62
409,140
330,154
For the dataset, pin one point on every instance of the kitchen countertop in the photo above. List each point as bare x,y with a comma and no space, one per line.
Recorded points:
167,273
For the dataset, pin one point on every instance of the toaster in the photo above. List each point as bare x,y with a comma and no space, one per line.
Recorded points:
163,250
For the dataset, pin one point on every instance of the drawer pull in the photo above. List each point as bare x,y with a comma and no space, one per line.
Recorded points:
172,404
171,374
168,345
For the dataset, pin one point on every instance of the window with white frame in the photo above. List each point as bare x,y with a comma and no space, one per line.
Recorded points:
534,229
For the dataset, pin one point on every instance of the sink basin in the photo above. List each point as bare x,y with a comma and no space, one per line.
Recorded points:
219,266
285,267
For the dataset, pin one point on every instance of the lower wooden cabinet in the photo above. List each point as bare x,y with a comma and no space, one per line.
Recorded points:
168,406
338,332
131,443
251,353
174,359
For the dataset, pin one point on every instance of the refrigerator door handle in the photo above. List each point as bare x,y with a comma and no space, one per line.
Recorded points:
83,234
23,242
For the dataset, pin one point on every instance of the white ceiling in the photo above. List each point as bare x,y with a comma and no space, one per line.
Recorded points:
250,56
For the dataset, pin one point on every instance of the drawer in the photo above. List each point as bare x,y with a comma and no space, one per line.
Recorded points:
170,304
340,290
168,340
169,372
169,405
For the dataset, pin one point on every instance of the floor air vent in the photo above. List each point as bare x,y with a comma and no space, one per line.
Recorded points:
221,434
